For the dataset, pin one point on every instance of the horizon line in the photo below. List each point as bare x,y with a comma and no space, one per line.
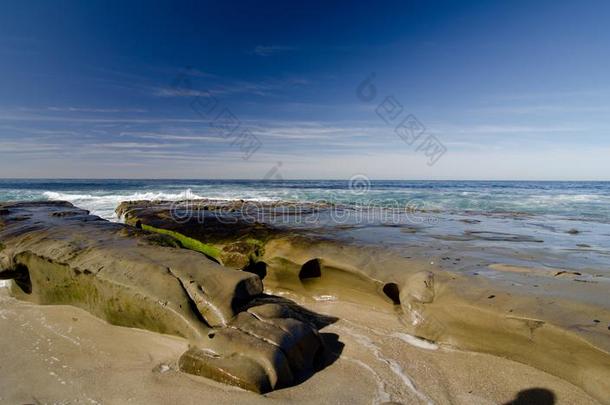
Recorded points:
296,179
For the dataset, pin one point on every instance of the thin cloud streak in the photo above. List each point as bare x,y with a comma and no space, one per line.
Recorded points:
267,50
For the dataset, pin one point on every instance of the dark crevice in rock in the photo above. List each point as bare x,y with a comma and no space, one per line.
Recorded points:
241,298
8,274
392,292
311,269
258,268
330,352
20,275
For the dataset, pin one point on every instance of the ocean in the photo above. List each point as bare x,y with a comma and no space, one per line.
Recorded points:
581,201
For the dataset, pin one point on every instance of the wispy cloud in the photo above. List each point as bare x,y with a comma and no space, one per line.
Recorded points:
97,110
491,129
231,87
172,137
110,121
28,147
542,109
198,73
310,130
557,94
173,92
127,145
266,50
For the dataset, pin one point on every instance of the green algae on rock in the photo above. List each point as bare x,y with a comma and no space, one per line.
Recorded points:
233,243
186,242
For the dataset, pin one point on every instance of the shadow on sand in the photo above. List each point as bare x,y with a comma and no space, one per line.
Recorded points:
534,396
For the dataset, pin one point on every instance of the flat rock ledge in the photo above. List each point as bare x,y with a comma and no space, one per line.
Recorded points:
55,253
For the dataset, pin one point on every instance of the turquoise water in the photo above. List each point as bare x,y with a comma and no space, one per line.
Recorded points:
588,201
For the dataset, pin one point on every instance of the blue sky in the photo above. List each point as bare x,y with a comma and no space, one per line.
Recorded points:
511,90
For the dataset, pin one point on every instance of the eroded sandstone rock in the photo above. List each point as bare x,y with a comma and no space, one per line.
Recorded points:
552,332
58,254
222,230
418,288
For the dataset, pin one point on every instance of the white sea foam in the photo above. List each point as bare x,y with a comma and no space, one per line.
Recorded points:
117,198
382,395
4,283
415,341
572,198
105,204
324,298
396,368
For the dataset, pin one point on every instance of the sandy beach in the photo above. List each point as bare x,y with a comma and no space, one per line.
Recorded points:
68,356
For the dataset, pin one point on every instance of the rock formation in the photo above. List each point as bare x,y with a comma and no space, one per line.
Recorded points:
470,313
56,253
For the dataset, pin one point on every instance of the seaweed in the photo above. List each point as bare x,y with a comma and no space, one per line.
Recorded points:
188,243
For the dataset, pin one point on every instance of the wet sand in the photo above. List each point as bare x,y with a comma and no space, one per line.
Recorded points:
61,354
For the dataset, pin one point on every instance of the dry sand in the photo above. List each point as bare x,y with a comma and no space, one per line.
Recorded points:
61,354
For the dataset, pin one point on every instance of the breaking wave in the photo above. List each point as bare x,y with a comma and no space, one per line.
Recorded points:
105,204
